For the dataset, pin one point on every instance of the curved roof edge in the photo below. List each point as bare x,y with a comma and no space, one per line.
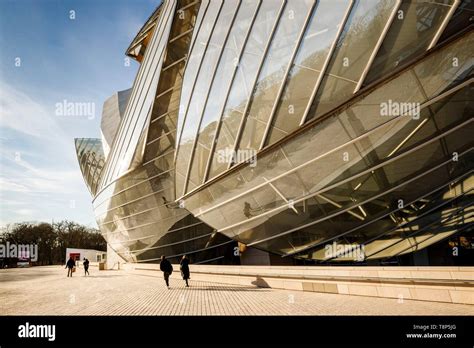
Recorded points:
134,50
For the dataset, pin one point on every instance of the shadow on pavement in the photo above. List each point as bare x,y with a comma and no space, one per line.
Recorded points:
224,287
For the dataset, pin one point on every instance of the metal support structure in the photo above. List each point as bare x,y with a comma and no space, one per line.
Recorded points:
193,149
326,62
247,104
118,142
380,165
377,45
221,112
180,131
351,207
444,24
352,141
287,72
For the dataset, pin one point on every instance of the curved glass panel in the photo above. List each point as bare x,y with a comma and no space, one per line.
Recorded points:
220,88
142,97
410,34
359,38
201,95
91,161
192,64
272,75
242,85
357,156
213,29
305,71
136,213
389,172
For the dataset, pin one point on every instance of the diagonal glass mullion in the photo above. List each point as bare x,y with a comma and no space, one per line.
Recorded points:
286,74
315,245
125,124
470,225
264,55
144,67
279,193
398,49
444,24
340,147
144,89
426,227
326,62
380,165
221,112
189,252
377,46
176,67
410,222
218,60
174,243
153,235
193,85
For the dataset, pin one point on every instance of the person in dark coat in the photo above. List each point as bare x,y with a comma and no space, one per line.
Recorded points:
86,266
167,269
184,266
70,265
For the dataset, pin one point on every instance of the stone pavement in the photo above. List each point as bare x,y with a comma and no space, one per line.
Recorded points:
47,291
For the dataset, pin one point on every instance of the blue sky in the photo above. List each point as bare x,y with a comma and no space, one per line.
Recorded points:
77,60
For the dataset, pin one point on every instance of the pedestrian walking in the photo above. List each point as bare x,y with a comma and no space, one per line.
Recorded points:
86,267
70,265
184,266
167,269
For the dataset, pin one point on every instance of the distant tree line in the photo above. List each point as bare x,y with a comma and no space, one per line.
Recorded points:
53,239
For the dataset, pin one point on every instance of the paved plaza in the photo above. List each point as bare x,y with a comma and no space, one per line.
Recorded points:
47,291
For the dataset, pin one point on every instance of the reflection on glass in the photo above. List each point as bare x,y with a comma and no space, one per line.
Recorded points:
410,34
220,88
307,66
361,33
244,205
312,231
272,73
193,63
242,84
141,101
91,159
206,53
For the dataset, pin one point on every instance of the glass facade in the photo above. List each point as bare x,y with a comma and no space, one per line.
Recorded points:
350,168
91,159
288,125
135,209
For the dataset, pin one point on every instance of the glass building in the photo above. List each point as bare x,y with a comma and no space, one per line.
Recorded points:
293,127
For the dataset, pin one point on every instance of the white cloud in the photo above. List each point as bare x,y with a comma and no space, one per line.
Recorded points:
21,113
27,212
8,185
39,174
21,176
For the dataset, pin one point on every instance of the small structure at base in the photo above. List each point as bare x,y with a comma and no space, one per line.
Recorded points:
92,255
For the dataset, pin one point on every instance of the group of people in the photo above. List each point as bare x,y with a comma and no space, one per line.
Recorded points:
71,264
167,269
